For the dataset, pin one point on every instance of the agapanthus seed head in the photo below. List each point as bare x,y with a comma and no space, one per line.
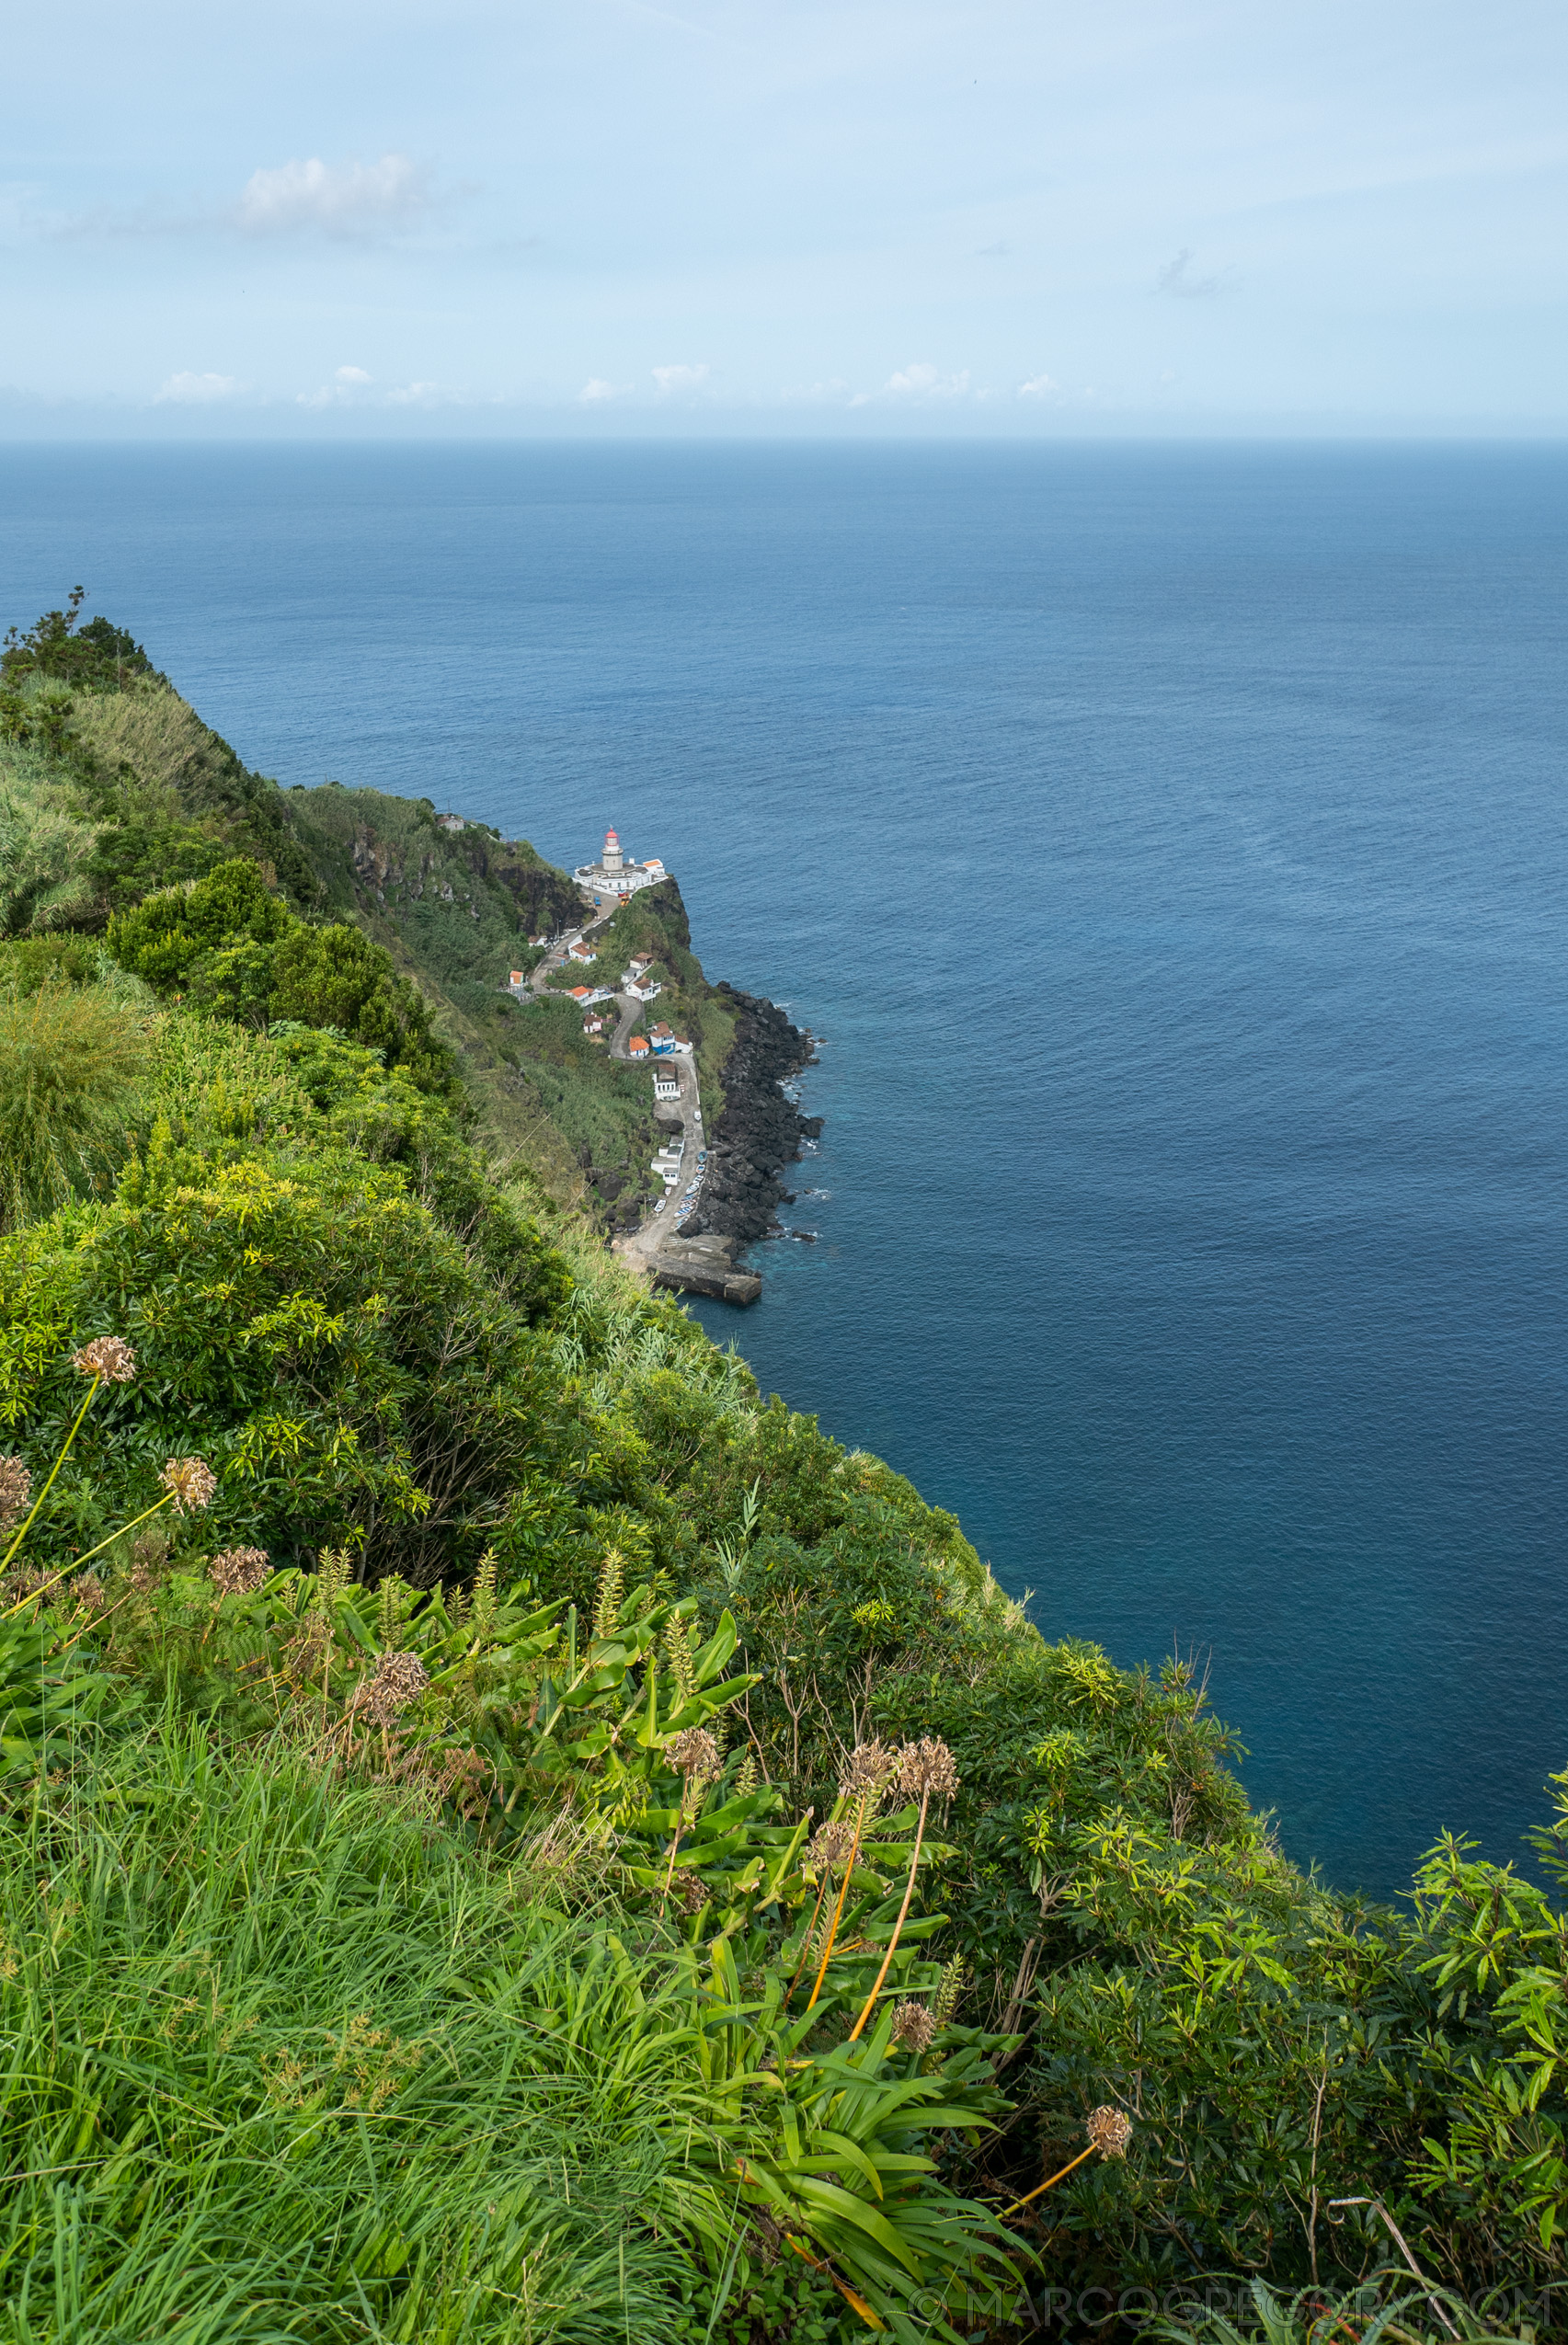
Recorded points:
398,1679
191,1481
26,1580
829,1846
694,1752
109,1356
1110,2132
16,1489
926,1770
870,1766
914,2027
87,1591
690,1890
238,1571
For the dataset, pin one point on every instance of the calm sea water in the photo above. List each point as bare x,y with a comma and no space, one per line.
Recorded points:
1172,846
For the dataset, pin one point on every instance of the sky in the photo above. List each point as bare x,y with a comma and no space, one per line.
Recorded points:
867,218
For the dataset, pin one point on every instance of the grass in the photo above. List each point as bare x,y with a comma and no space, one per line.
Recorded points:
69,1064
285,2060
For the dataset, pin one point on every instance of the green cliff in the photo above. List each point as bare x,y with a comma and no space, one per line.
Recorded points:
505,1832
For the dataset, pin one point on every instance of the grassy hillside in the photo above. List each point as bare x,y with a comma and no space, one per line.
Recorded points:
507,1833
111,788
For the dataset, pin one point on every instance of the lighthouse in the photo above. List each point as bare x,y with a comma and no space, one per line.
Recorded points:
615,877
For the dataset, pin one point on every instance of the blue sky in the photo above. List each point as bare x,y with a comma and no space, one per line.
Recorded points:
609,217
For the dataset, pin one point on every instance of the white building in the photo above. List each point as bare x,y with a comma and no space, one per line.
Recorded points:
666,1083
612,878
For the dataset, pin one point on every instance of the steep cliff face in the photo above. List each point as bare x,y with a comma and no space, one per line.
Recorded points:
391,854
759,1130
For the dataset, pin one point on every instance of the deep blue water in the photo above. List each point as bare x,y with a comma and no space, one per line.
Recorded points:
1173,845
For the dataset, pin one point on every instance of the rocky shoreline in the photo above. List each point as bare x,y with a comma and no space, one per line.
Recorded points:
759,1130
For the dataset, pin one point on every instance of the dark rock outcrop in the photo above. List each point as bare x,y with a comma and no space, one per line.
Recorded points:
704,1267
760,1130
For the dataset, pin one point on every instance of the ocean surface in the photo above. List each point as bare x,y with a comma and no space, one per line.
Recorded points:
1173,847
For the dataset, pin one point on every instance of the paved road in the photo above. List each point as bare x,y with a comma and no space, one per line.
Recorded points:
654,1227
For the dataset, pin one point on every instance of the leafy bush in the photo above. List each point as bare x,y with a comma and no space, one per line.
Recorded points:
64,647
239,952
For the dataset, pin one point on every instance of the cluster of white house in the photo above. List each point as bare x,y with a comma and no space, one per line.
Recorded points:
660,1042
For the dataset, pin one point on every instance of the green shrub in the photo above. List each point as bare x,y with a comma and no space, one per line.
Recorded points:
239,953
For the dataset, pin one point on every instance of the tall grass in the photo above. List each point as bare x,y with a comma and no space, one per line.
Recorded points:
69,1063
283,2061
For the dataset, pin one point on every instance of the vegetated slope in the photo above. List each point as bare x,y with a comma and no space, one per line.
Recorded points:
435,1410
112,788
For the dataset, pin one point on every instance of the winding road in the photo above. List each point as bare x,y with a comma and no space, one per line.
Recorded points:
644,1241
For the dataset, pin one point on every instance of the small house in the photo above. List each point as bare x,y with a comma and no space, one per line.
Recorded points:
638,1047
593,1025
644,988
581,951
581,993
666,1083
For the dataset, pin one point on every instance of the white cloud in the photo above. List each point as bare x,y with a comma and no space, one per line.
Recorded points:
596,390
196,390
920,380
414,394
830,393
679,378
341,392
1176,278
346,199
1040,386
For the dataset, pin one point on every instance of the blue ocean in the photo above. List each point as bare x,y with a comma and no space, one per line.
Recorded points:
1171,845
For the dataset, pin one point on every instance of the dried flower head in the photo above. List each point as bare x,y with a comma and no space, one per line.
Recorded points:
926,1770
87,1591
870,1766
238,1571
26,1580
829,1845
149,1551
109,1356
914,2025
191,1481
694,1752
1110,2132
16,1489
399,1679
690,1890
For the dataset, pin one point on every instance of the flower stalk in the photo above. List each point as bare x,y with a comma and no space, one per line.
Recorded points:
926,1771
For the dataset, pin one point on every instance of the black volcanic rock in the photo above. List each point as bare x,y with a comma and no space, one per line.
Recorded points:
759,1131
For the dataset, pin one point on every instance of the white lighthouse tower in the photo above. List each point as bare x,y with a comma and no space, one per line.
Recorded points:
615,876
